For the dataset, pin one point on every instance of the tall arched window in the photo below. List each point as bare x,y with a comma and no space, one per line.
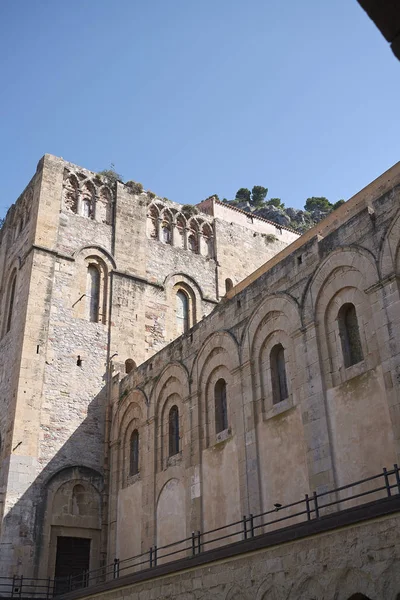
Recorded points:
93,292
192,243
134,453
10,301
166,233
86,208
278,374
173,431
182,312
350,335
221,411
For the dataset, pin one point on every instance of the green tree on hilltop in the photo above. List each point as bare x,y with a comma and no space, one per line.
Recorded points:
317,203
258,195
243,194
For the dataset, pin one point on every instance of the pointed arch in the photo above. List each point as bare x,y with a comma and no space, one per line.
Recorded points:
71,193
88,199
104,206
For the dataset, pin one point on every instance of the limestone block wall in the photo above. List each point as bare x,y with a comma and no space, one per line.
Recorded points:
361,561
335,423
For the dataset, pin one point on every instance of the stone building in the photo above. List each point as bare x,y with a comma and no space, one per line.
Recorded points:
93,277
163,374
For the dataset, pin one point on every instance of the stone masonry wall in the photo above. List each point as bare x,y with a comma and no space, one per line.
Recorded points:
355,562
55,363
338,422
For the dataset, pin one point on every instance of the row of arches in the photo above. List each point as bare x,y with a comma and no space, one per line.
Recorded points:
83,198
278,384
289,358
172,228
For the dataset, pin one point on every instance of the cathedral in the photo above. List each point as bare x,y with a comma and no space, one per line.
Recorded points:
187,377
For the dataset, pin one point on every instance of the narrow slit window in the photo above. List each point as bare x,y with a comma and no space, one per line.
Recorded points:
278,374
173,431
10,304
350,335
93,293
228,285
182,312
221,412
134,453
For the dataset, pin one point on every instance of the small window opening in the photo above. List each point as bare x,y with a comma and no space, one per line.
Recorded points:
299,259
11,299
79,361
350,335
173,430
93,292
182,312
221,412
192,243
130,365
37,349
166,233
134,453
86,210
228,284
278,374
238,303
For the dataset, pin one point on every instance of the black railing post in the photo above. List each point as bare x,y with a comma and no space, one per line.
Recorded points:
155,555
13,587
48,588
151,556
193,543
387,483
308,508
244,527
116,568
198,542
316,508
396,470
20,586
251,525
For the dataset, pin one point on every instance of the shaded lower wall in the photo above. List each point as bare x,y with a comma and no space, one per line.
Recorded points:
356,559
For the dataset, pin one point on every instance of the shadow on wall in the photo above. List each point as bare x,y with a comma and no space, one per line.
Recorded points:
55,527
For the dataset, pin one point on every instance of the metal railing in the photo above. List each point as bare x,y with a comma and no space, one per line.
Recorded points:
311,507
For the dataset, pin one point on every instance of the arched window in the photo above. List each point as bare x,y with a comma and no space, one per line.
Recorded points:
228,285
278,374
129,365
182,312
93,292
134,453
350,335
173,431
192,243
221,412
166,233
180,232
10,302
71,194
86,209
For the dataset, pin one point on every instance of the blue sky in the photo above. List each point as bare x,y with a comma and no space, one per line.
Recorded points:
195,98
